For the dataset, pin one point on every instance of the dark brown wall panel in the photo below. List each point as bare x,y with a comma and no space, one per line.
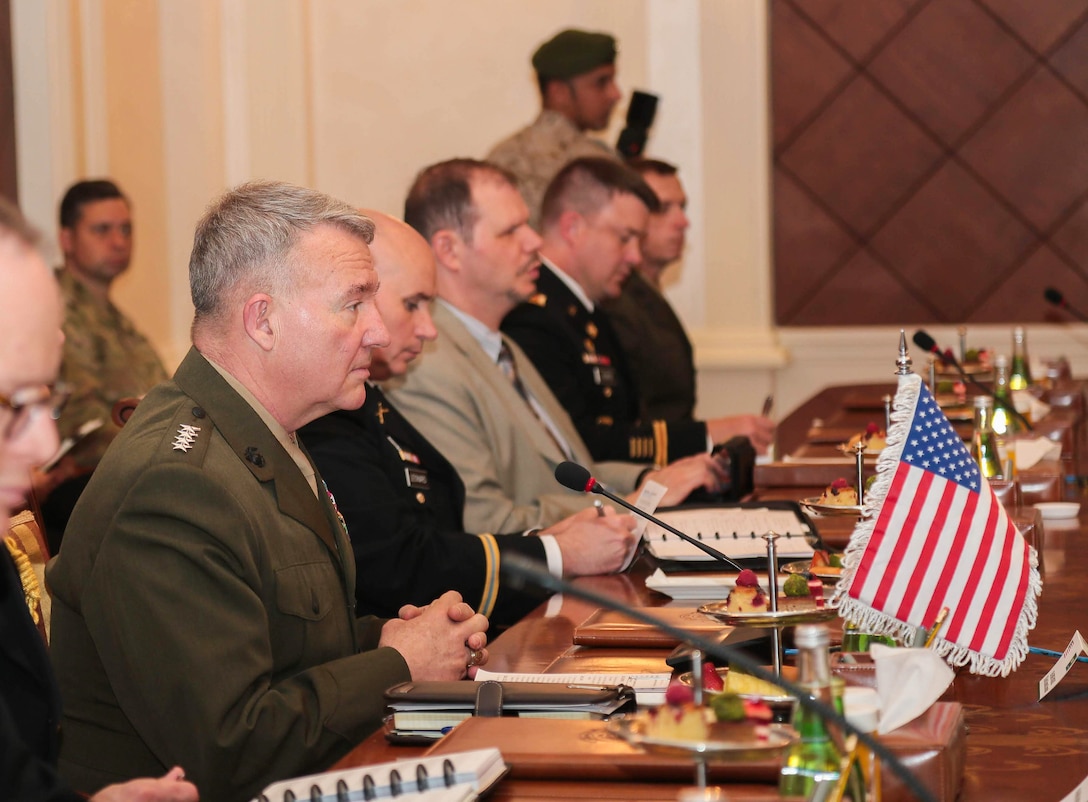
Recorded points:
930,159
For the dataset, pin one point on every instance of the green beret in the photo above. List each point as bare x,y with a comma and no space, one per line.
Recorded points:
572,52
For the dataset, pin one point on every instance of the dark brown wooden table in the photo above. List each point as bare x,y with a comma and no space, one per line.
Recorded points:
1018,748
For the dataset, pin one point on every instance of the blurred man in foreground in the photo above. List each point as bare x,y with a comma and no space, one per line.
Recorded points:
204,599
576,73
595,214
30,349
402,499
475,394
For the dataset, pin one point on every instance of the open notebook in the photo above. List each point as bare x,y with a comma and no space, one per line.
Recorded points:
447,778
733,530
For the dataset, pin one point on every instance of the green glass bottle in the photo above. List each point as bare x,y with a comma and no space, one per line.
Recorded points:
813,757
1020,372
984,441
1004,422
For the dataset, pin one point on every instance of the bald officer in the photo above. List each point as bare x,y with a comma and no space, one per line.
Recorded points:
576,73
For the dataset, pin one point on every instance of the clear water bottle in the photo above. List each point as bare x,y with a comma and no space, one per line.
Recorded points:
814,757
1020,373
1004,422
984,441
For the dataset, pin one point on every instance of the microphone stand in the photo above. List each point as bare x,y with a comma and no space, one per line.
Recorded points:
521,570
713,552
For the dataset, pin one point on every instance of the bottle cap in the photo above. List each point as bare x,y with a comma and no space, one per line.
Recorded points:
811,636
983,402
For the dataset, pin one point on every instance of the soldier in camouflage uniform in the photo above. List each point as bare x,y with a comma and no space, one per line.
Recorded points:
577,76
105,357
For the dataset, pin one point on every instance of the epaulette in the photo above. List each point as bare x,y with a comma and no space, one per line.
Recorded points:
188,435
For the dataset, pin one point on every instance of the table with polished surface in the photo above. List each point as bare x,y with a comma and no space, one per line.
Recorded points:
1018,747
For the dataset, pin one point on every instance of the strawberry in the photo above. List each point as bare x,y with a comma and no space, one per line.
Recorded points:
747,579
712,680
757,710
678,693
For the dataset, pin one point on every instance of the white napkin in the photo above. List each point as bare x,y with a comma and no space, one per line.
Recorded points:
1028,404
908,682
1030,451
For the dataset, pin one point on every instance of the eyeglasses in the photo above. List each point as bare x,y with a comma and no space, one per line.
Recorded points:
27,403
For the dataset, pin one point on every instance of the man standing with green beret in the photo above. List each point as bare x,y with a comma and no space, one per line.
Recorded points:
576,71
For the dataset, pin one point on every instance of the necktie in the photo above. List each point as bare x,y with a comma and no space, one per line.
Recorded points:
510,371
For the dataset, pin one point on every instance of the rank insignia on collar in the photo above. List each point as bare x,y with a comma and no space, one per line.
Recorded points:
538,299
382,409
185,437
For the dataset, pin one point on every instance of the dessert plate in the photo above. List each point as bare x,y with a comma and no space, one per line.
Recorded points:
745,746
868,453
1058,509
814,504
829,574
766,618
780,696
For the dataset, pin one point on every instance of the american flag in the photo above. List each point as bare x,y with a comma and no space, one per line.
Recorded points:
937,537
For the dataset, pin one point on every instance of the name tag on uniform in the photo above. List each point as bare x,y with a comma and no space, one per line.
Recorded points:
604,375
417,478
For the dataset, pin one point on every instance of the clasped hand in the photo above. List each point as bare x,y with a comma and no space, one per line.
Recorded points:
440,640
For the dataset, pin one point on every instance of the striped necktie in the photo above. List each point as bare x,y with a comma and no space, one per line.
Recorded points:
509,369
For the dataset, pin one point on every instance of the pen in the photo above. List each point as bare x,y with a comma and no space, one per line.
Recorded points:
1052,653
599,507
941,616
768,405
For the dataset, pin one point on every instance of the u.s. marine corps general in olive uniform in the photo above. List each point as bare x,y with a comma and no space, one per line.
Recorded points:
209,591
204,600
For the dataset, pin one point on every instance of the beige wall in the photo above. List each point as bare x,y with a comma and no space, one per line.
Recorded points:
179,99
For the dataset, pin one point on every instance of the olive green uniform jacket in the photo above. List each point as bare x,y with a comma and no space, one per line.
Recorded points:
203,608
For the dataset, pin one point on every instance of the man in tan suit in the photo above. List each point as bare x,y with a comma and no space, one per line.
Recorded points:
474,394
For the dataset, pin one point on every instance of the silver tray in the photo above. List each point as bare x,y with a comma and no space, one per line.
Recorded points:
632,728
813,503
772,700
805,566
717,611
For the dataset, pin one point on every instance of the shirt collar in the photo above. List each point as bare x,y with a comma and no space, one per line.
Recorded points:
490,341
570,283
289,443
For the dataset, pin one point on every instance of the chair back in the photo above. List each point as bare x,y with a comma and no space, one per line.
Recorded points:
27,547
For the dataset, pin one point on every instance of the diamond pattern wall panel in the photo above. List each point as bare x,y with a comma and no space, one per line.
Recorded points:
930,158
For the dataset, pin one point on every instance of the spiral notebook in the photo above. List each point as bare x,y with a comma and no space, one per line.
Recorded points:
452,777
734,530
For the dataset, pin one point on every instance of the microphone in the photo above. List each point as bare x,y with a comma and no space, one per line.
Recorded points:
576,477
927,343
640,116
1055,297
520,571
